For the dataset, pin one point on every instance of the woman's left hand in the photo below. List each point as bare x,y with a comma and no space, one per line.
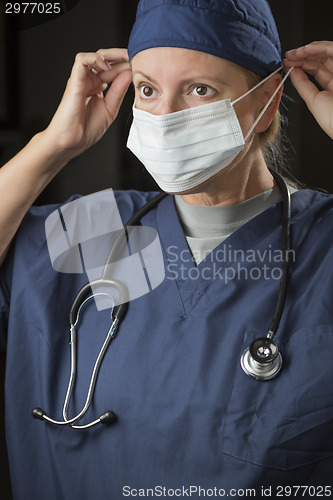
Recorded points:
316,59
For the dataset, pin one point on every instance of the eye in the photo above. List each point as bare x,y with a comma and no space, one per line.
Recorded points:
202,90
146,91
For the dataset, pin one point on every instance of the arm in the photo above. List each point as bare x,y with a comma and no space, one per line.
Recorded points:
81,119
316,59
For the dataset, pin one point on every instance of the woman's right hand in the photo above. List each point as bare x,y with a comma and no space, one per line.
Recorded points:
81,119
85,113
316,59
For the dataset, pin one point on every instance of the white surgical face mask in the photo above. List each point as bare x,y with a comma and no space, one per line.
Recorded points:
183,149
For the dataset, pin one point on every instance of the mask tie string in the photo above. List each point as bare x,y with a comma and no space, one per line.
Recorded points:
269,101
257,85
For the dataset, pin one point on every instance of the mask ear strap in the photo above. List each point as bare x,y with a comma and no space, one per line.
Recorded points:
256,86
268,104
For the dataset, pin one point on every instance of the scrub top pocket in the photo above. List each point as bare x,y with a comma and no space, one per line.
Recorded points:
286,422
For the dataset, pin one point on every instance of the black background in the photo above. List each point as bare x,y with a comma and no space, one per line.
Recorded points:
40,53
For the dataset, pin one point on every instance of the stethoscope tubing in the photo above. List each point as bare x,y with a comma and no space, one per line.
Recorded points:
81,298
286,245
262,360
84,294
86,289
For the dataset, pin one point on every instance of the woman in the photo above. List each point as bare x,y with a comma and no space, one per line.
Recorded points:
190,421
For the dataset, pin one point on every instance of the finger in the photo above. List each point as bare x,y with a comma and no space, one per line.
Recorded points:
84,79
315,59
312,56
109,76
306,89
324,48
315,50
308,66
322,74
117,91
87,60
114,55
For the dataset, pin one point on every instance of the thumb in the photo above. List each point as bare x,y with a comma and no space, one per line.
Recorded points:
116,93
306,89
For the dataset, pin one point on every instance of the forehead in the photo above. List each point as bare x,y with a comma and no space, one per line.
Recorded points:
178,61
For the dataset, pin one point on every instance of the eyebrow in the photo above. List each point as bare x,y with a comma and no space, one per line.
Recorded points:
144,75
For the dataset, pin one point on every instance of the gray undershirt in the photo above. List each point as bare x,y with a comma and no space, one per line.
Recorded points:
205,227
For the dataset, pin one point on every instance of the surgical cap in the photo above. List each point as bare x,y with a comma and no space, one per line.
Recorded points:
241,31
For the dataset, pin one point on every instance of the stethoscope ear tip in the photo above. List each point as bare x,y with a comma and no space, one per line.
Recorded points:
108,418
38,413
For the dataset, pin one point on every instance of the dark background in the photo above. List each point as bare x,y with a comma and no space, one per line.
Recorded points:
36,64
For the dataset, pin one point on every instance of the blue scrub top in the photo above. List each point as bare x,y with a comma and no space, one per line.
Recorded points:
188,416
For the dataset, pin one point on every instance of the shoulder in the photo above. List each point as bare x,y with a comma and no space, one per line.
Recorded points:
87,213
127,202
312,201
312,226
312,209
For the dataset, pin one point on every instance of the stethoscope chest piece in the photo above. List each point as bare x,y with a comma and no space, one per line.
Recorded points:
262,359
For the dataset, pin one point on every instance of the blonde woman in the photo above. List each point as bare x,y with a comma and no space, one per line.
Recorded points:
190,421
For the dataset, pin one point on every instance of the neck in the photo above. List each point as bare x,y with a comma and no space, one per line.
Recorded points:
237,183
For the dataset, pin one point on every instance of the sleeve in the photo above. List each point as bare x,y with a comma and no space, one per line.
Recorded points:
32,226
29,236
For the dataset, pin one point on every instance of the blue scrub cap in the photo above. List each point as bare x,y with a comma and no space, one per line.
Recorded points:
241,31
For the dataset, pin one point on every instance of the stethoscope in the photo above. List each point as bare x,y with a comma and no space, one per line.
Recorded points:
82,297
261,360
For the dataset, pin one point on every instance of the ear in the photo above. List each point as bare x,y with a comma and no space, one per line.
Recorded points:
266,92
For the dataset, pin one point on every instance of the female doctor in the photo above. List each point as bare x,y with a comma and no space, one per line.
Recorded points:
190,420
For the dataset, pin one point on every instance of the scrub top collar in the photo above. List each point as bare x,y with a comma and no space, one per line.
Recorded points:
193,282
